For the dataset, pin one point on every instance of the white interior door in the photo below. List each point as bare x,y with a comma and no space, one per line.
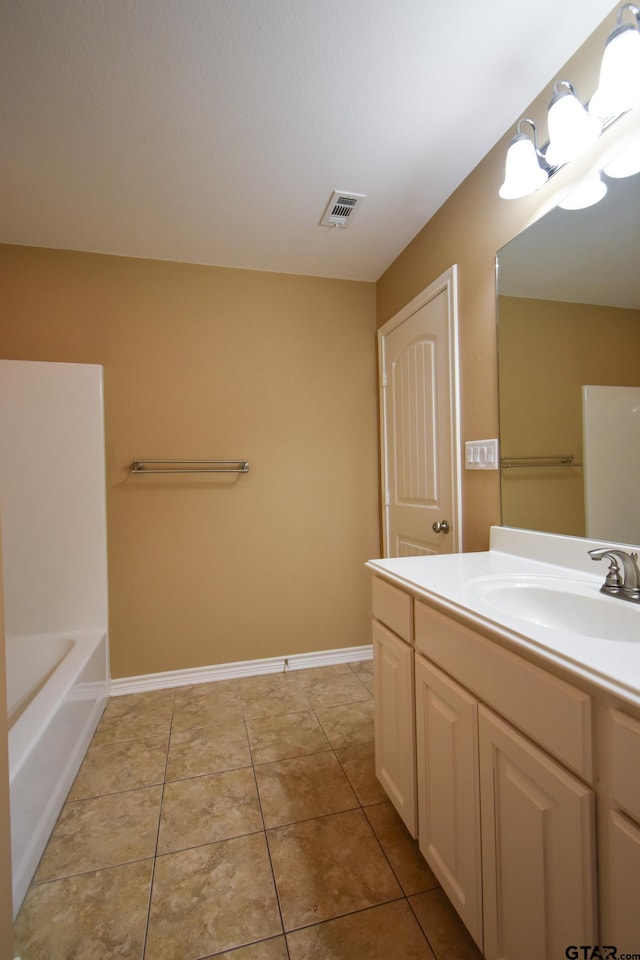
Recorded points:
420,427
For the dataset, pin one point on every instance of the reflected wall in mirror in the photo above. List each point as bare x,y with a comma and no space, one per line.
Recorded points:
568,317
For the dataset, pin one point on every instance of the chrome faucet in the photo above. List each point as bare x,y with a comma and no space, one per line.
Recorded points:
624,583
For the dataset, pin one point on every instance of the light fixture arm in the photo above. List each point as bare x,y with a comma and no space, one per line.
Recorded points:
533,127
559,93
634,10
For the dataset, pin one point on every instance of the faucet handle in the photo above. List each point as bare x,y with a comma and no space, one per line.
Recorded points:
614,574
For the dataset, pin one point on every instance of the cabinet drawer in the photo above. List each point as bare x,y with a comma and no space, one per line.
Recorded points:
393,607
625,762
552,712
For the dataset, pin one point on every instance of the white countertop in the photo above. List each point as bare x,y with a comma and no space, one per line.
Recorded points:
449,582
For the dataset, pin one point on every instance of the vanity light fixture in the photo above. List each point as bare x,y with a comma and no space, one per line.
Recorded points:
571,128
588,193
619,86
525,167
626,164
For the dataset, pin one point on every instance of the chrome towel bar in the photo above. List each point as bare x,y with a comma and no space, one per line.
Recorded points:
190,466
561,461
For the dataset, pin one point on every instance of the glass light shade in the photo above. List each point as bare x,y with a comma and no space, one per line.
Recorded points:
523,173
625,165
586,195
571,129
619,86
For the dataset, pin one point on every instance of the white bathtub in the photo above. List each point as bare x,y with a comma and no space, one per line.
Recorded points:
57,687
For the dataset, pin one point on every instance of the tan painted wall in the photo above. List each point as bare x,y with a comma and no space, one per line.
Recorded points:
548,351
216,363
468,230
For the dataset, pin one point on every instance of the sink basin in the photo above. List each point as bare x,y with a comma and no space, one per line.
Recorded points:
572,606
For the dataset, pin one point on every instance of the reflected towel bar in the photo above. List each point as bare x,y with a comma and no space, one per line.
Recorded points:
190,466
560,461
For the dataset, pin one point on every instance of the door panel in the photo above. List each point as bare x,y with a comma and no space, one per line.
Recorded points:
395,722
538,849
448,788
420,443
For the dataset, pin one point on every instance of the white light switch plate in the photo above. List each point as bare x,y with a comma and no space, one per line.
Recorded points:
481,455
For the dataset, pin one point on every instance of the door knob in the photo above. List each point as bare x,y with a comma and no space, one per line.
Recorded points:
441,526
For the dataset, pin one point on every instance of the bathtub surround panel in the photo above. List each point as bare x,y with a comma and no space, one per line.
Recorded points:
52,495
53,504
212,362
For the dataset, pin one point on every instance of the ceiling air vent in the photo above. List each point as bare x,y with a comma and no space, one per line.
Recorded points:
341,208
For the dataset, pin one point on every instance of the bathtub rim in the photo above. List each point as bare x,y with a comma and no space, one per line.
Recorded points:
33,721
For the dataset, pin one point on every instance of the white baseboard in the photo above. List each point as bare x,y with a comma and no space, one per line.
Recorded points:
243,668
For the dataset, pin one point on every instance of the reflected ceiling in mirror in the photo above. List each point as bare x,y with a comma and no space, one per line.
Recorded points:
568,316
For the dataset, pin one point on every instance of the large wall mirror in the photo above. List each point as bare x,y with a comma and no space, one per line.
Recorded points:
569,318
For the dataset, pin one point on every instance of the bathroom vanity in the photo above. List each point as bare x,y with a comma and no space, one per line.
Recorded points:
507,694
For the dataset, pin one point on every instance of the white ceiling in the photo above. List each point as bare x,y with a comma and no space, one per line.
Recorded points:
215,131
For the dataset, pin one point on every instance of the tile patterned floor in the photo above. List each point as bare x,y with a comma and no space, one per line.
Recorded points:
239,820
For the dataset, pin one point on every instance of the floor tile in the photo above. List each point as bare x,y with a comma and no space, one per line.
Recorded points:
102,832
359,764
212,898
257,688
204,809
265,950
363,670
444,929
125,701
193,753
274,698
330,672
302,788
95,916
288,735
388,932
133,717
409,866
125,765
204,709
222,690
347,723
344,688
328,867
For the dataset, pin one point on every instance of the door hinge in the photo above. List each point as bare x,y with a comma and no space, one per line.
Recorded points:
384,378
387,498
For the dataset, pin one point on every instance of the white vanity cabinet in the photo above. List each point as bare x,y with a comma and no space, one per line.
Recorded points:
448,789
518,829
394,716
620,848
538,848
503,773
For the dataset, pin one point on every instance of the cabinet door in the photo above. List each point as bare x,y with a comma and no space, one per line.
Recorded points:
394,715
623,925
538,849
448,789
